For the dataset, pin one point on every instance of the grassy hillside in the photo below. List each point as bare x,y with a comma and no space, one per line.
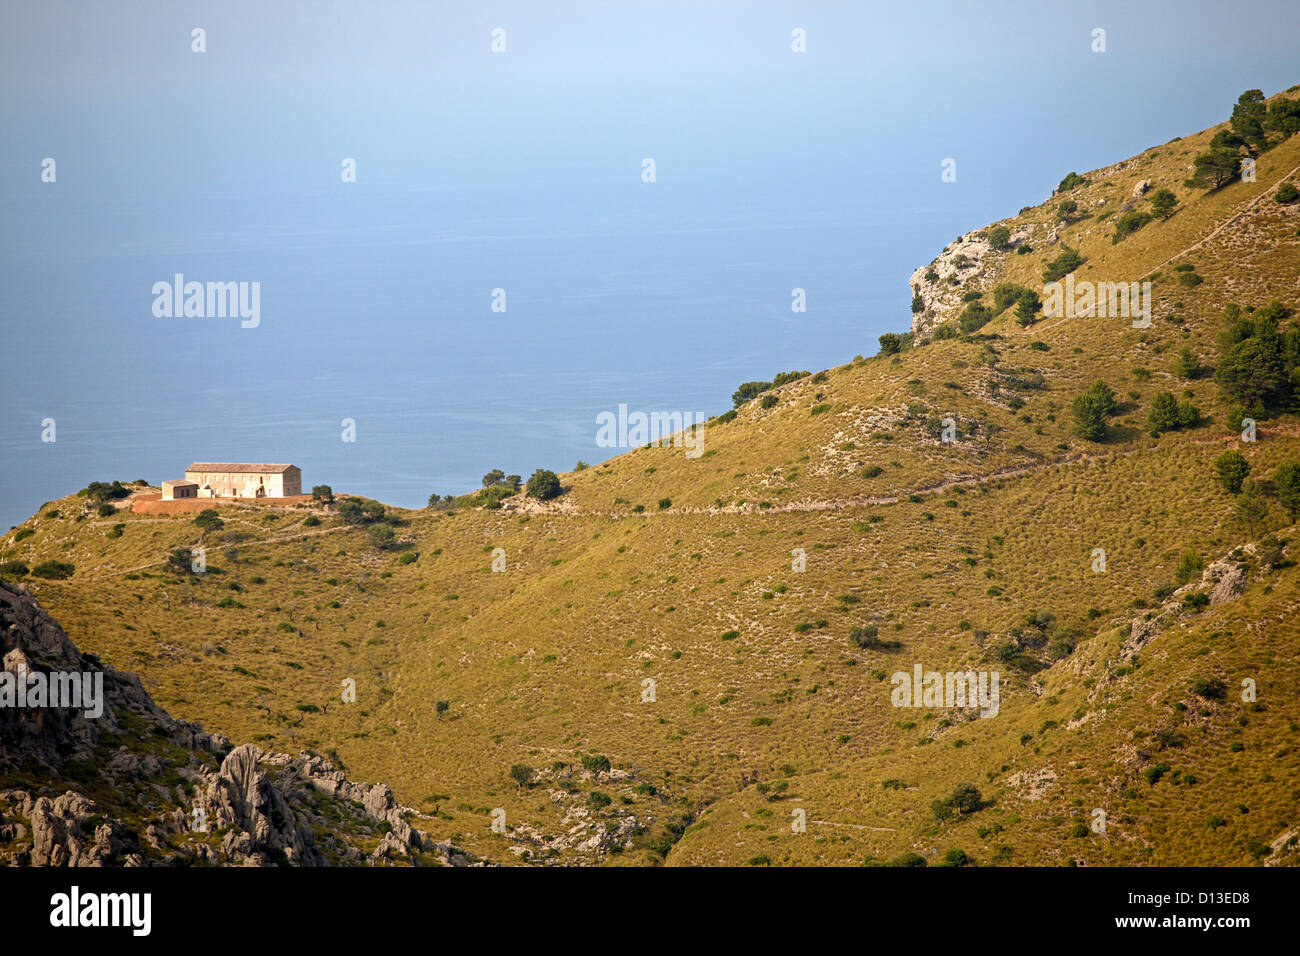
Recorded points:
973,554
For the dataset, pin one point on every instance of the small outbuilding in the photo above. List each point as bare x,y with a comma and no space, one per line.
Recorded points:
181,488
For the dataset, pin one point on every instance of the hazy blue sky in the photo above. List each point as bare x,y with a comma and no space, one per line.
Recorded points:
519,170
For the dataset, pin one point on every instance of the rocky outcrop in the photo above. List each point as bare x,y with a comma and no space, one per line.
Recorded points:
30,640
1224,580
376,798
243,798
235,806
963,265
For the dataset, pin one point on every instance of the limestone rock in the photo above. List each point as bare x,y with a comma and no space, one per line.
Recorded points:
267,804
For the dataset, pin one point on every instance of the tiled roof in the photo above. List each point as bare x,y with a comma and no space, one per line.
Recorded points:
237,468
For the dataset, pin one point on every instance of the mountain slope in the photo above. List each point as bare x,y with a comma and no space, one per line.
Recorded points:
121,783
1119,692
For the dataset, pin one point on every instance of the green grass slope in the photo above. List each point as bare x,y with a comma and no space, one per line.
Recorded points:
974,554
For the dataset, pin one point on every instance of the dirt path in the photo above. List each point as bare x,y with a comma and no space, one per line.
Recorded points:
832,504
836,504
1263,196
272,540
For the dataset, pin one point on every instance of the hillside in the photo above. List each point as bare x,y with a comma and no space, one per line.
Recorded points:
1120,689
121,783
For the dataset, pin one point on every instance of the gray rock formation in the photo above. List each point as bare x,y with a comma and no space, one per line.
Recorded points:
234,807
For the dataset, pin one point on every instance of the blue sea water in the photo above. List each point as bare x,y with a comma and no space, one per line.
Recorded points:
519,171
386,319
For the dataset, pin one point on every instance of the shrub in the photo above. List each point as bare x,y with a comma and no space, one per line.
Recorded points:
360,511
874,471
1190,565
492,497
1066,262
1027,305
180,561
409,557
1287,482
209,520
101,491
521,774
768,401
54,570
1217,167
1209,688
595,763
999,237
891,343
1186,365
1284,115
1167,414
665,504
1004,293
380,536
1071,181
1287,193
748,391
1163,202
105,510
1066,209
1230,470
1256,368
1130,223
867,639
1153,774
322,493
311,521
13,569
1092,410
965,798
975,316
543,485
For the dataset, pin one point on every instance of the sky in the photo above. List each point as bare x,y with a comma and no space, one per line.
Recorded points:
518,170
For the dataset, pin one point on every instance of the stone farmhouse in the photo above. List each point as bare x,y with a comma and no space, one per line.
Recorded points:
207,479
